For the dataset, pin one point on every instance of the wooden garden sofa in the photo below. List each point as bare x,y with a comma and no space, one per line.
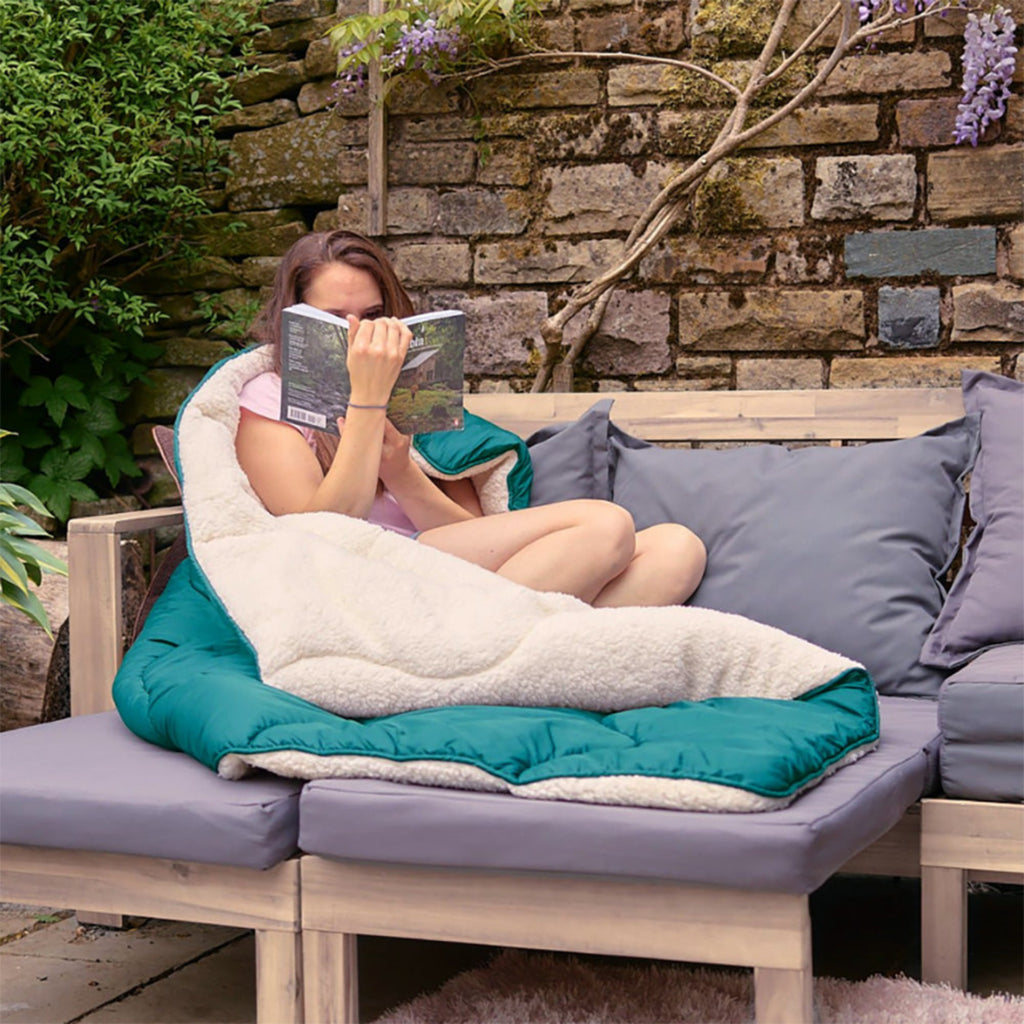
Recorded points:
201,849
318,902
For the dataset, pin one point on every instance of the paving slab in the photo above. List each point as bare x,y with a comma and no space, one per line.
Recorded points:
56,973
17,919
220,987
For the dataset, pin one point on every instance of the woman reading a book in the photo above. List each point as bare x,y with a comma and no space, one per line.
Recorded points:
587,548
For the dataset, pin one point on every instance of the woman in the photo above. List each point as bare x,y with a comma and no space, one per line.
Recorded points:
586,548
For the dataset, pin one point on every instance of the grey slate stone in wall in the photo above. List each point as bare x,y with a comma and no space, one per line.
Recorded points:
950,251
909,317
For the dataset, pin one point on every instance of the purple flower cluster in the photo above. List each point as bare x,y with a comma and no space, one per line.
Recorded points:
420,46
866,8
355,78
988,61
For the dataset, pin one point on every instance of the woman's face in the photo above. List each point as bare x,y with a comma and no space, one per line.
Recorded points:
345,291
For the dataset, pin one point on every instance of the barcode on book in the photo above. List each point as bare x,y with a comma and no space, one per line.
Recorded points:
312,419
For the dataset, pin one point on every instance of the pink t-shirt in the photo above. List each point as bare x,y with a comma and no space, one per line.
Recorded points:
262,395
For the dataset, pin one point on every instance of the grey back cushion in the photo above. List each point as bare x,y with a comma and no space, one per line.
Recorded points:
840,546
985,607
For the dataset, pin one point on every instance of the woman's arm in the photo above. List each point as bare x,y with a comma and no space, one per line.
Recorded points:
282,468
426,502
285,474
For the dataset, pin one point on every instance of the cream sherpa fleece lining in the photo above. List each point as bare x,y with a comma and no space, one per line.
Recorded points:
364,622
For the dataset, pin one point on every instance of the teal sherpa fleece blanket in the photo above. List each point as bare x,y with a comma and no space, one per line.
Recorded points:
317,645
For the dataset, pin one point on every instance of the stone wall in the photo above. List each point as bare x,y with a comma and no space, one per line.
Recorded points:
852,245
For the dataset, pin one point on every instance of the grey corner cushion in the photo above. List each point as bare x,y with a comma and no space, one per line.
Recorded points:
841,546
985,606
981,712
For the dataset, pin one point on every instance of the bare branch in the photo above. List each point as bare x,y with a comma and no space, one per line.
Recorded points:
812,37
771,44
506,63
673,200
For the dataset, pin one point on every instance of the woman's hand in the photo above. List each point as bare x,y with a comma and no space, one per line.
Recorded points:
394,455
376,354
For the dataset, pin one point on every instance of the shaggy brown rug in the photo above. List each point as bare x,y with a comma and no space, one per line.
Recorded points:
536,988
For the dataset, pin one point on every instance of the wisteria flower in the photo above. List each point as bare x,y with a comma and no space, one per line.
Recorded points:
420,45
866,9
988,62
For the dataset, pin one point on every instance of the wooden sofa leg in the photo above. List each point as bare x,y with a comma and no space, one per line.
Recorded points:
783,996
279,990
95,917
331,973
944,926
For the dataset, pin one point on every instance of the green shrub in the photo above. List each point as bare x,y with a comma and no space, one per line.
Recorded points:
106,144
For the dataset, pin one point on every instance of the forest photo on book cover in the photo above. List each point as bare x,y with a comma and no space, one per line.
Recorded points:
427,396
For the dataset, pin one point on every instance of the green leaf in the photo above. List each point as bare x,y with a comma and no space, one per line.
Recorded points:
69,465
13,521
38,391
70,390
32,554
12,570
13,494
56,407
34,437
27,603
58,492
100,418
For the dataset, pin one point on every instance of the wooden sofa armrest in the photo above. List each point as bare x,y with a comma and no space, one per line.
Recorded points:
96,630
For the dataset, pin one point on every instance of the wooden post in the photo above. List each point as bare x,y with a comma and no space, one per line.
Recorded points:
377,147
562,377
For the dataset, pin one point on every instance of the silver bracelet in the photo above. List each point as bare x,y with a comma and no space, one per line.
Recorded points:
354,405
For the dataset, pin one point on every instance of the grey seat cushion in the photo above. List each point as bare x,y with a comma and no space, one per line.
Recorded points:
792,850
87,783
981,714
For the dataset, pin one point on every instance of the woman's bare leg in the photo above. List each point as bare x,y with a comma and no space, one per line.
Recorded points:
572,547
665,569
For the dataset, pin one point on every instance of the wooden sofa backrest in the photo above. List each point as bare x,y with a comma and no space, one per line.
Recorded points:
98,637
678,416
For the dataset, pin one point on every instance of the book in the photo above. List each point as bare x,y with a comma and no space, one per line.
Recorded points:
427,396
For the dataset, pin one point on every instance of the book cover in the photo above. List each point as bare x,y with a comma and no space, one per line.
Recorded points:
427,396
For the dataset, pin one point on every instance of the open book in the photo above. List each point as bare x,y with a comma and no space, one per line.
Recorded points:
427,396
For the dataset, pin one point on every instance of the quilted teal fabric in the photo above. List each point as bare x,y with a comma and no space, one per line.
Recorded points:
191,683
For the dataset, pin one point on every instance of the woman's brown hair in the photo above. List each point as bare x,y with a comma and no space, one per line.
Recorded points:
294,276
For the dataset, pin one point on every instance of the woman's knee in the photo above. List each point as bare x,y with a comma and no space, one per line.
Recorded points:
679,552
610,528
